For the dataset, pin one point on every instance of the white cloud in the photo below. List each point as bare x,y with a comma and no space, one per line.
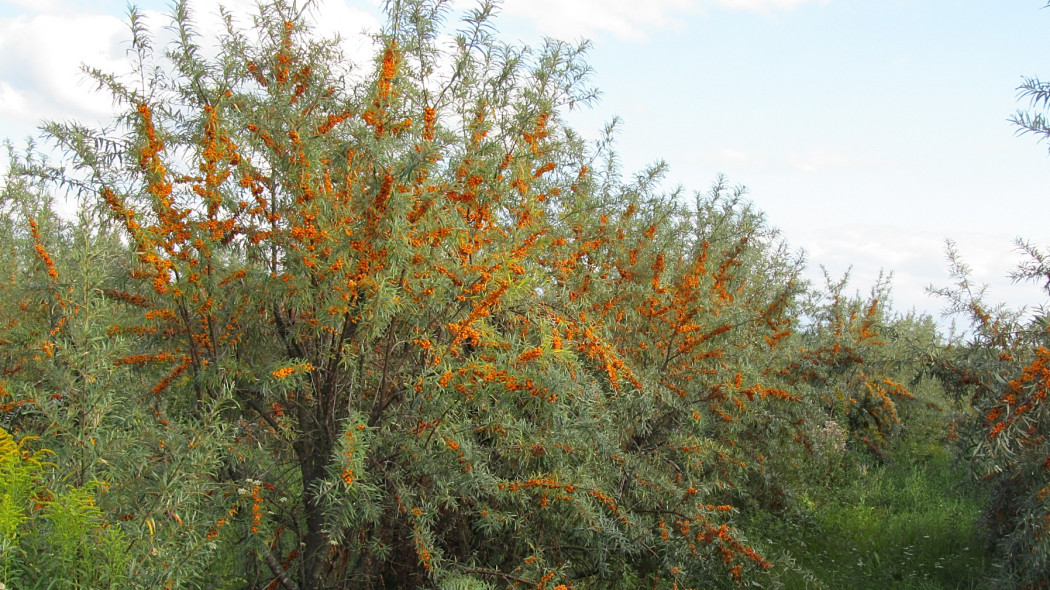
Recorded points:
865,251
873,247
337,17
354,26
624,19
765,6
628,20
40,75
917,259
36,6
734,156
729,160
12,102
824,160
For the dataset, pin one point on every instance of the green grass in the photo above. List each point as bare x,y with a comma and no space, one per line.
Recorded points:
909,524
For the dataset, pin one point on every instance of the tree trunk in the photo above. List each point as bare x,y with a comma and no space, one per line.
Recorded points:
314,450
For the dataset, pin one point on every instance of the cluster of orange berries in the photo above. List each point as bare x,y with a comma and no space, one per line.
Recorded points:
422,551
41,252
348,472
529,355
166,381
214,531
286,371
256,509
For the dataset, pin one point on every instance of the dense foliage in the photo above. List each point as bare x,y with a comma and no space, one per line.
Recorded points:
313,328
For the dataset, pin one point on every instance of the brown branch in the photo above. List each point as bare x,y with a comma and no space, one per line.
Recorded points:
278,571
259,409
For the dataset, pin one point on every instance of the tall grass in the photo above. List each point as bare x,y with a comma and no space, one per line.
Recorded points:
911,523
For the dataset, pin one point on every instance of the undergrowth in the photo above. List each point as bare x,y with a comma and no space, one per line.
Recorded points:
908,523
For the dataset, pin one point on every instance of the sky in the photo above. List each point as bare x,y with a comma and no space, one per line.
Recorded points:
868,131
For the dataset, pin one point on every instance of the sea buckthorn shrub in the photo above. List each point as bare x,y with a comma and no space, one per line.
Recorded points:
856,361
999,367
857,370
405,328
415,330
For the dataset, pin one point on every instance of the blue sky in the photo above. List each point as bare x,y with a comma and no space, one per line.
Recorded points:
869,131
